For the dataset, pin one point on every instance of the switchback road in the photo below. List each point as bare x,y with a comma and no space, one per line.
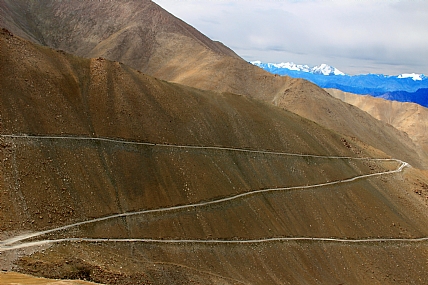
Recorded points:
17,241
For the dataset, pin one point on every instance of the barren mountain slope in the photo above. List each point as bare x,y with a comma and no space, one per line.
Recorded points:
408,117
124,31
145,37
163,152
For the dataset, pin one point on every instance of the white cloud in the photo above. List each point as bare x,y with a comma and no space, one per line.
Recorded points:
354,36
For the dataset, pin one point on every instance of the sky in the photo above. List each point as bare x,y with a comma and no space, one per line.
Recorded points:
355,36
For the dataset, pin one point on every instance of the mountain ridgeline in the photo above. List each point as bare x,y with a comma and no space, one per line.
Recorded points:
135,150
420,96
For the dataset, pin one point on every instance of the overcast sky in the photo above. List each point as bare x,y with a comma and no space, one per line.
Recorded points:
355,36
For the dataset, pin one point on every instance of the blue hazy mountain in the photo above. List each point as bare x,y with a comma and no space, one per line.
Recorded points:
403,87
420,96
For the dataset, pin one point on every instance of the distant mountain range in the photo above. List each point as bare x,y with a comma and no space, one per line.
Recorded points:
404,87
322,69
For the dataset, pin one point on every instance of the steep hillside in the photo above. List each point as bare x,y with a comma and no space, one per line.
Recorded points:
145,37
128,31
408,117
149,182
140,34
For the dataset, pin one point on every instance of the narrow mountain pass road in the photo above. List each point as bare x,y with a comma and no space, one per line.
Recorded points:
17,242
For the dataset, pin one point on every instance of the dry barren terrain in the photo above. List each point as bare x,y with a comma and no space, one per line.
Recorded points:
220,188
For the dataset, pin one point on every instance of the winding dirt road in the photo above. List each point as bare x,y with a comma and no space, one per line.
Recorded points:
17,242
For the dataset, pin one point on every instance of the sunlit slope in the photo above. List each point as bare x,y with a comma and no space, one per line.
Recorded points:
165,148
129,31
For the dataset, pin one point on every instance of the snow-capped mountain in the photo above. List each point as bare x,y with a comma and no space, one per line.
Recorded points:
325,69
325,76
322,69
286,65
414,76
